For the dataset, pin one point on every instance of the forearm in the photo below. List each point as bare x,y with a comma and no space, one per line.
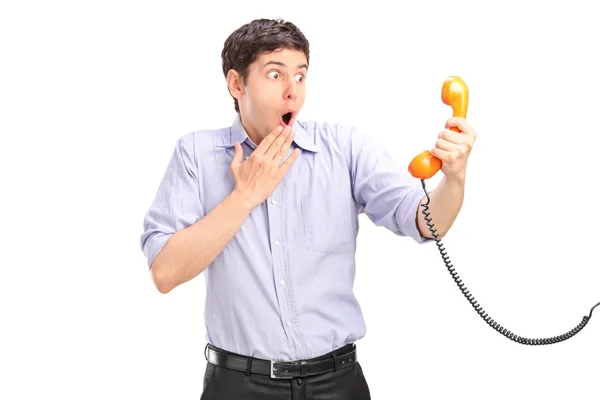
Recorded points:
191,250
445,203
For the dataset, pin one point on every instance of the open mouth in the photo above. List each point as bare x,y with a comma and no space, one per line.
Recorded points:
286,118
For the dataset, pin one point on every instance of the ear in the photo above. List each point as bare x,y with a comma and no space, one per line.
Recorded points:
234,84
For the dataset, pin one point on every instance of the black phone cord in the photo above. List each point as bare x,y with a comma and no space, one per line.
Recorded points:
495,325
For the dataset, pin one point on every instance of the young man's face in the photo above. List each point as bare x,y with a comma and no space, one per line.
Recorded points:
274,91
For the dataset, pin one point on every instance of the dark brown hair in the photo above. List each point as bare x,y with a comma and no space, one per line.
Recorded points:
250,40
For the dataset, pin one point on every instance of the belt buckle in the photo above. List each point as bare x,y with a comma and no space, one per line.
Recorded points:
274,369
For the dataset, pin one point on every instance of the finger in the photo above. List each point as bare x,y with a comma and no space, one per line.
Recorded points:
456,138
278,143
462,125
289,162
444,155
443,144
284,148
237,155
458,122
267,141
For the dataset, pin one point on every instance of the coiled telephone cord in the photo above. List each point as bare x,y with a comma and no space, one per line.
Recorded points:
495,325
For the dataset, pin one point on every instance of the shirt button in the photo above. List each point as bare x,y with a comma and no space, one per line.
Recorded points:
282,282
277,243
289,323
273,201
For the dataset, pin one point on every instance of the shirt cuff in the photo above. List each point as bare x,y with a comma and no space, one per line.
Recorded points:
154,246
415,198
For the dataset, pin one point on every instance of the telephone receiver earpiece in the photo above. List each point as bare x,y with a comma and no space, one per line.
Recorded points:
455,93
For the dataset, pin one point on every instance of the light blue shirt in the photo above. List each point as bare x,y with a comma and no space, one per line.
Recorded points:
282,289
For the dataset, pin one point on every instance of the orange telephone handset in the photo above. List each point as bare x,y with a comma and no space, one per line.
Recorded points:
455,93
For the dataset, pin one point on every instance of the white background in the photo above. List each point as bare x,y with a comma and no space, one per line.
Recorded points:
94,95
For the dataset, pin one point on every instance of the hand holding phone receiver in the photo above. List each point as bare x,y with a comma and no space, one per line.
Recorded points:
455,93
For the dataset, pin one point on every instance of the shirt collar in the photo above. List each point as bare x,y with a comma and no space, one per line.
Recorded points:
301,136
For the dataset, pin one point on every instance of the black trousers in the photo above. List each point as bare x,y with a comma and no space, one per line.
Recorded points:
221,383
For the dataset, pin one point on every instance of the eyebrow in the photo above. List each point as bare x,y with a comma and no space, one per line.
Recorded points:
283,65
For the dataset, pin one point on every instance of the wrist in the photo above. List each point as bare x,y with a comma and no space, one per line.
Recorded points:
456,179
241,201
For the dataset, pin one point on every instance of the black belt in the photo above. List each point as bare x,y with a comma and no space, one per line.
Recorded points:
283,369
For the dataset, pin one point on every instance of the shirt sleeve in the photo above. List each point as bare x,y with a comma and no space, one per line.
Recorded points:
385,192
177,201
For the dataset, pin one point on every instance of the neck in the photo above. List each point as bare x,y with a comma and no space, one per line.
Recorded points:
251,130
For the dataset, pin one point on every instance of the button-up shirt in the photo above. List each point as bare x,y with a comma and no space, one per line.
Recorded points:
282,288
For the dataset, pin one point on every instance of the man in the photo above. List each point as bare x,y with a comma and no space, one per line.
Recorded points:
268,209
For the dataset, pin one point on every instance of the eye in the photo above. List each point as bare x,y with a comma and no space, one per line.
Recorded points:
273,74
299,77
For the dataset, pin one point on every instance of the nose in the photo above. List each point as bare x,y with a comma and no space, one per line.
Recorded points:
290,92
